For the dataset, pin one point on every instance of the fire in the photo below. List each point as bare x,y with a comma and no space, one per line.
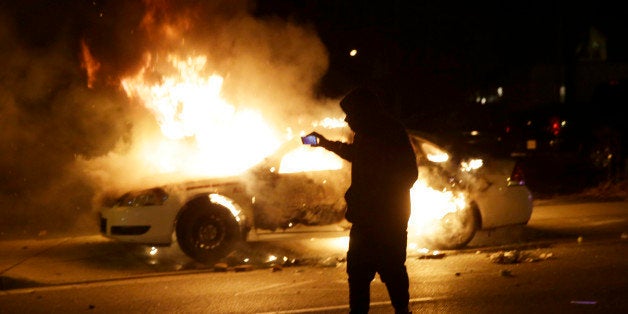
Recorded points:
306,158
205,135
429,206
90,64
202,133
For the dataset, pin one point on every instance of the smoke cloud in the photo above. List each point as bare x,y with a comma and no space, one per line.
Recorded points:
65,131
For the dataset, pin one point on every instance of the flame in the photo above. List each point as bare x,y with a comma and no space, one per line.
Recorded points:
429,206
331,123
90,64
307,158
202,133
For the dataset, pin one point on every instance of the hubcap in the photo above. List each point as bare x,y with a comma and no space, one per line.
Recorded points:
208,236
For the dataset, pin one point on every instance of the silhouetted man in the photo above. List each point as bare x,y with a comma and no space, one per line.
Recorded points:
383,169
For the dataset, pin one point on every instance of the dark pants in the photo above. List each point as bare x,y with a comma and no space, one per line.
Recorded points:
377,250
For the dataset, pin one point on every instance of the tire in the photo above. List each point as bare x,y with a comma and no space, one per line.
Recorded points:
457,229
206,232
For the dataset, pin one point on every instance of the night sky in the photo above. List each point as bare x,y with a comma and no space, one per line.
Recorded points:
439,53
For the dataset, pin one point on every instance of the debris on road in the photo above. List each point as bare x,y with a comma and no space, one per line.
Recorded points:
505,273
515,256
331,262
427,254
221,267
8,283
241,268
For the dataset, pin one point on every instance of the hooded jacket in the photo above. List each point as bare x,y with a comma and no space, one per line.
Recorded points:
383,164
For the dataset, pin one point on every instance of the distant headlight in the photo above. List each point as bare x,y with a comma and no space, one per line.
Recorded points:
151,197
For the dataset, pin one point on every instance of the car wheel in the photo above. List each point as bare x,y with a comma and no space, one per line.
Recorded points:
456,229
206,232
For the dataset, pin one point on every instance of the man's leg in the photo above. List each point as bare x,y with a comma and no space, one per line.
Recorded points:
398,285
361,273
359,292
395,275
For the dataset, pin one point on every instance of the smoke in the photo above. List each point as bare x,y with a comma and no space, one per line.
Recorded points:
63,142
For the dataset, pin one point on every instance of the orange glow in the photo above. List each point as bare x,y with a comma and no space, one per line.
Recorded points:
90,64
160,24
307,158
429,206
198,132
202,133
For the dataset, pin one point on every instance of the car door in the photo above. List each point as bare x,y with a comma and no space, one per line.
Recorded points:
304,186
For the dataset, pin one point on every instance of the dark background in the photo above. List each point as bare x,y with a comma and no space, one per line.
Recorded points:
445,51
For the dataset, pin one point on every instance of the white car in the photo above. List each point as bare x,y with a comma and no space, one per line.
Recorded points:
208,217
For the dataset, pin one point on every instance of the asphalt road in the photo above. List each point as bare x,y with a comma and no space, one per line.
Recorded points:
570,258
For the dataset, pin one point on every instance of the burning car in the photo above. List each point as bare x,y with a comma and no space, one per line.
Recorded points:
454,197
464,186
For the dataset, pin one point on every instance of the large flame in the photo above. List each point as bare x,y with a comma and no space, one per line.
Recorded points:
201,132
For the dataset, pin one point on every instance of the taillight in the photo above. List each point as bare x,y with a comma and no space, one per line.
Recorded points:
517,177
555,126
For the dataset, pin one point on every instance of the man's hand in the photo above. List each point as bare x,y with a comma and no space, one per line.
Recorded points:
321,140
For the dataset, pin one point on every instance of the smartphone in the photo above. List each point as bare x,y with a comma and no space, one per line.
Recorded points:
309,140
